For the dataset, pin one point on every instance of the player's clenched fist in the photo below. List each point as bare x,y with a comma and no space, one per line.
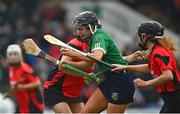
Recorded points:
61,64
140,55
141,83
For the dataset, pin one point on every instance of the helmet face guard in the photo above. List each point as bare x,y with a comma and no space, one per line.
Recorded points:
76,26
141,43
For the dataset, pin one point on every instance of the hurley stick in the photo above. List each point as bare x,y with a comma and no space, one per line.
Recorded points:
31,48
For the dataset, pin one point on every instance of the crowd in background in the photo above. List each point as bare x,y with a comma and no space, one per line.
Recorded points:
21,19
165,11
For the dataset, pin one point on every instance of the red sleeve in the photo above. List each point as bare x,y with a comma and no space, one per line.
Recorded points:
163,60
75,43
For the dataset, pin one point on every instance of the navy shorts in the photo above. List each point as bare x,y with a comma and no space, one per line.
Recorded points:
118,88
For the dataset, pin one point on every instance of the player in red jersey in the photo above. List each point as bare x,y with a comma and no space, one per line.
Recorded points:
162,65
24,84
62,91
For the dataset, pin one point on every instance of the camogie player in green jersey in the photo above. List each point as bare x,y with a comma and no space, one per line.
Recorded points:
117,89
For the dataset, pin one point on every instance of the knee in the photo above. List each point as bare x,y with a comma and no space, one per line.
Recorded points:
77,108
113,108
87,109
84,110
61,108
94,109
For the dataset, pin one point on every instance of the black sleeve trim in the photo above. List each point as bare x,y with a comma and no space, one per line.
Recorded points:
165,59
74,46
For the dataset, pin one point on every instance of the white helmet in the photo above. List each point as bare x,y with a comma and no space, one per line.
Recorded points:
14,48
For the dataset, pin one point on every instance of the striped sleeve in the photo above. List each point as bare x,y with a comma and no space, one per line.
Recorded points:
99,44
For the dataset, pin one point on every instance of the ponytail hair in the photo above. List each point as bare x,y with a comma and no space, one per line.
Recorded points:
167,43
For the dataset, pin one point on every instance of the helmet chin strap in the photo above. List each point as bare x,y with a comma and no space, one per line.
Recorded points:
91,28
142,45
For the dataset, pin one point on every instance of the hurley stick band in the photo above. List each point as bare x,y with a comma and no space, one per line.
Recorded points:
42,54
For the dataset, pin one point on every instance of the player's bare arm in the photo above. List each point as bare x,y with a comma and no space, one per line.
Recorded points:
28,86
86,63
138,55
73,54
62,68
97,54
76,55
143,68
82,65
165,77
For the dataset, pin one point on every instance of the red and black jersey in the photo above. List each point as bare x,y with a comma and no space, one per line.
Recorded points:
163,59
70,86
26,98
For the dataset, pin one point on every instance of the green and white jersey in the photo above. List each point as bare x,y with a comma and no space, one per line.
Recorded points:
103,41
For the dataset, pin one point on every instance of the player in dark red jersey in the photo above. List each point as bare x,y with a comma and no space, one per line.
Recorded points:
162,65
62,91
24,84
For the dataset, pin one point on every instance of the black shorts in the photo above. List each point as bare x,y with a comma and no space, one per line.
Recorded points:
171,102
53,96
118,88
32,109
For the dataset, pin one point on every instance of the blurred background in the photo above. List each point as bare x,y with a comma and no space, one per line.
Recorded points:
21,19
